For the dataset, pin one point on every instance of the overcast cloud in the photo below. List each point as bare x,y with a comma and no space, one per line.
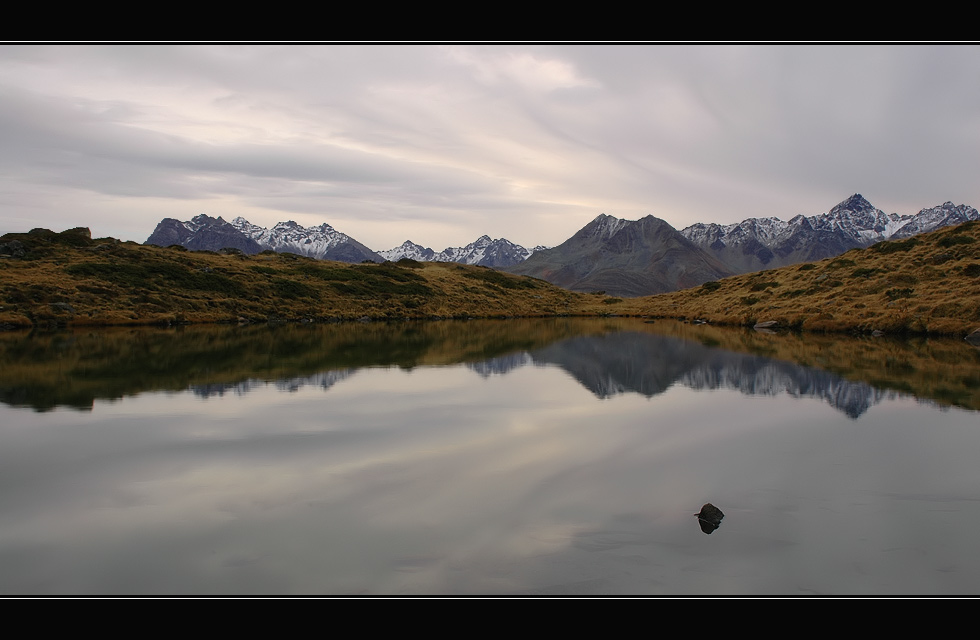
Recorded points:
441,144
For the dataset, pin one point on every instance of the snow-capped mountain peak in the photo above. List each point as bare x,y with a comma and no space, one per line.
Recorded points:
763,243
483,251
605,226
293,237
204,232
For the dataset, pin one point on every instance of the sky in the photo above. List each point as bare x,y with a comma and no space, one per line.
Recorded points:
441,144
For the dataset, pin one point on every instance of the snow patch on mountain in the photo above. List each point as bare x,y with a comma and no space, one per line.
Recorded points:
855,220
606,226
410,250
484,251
293,238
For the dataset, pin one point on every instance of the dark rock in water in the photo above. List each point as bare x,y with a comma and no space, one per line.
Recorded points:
974,337
709,517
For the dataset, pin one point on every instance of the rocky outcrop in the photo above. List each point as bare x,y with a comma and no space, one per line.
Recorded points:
202,233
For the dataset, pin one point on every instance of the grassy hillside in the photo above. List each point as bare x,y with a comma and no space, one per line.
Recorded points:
67,278
926,284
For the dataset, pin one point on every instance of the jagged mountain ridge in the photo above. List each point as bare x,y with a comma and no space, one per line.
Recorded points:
766,243
621,257
484,251
591,259
213,234
316,242
624,258
202,233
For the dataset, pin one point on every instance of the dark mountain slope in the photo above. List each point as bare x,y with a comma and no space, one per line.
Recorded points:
624,258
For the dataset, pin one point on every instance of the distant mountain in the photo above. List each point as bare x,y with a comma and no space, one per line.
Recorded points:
647,256
766,243
206,233
620,257
625,258
484,252
322,242
410,250
202,233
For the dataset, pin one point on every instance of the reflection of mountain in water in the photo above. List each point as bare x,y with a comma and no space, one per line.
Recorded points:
324,380
650,364
608,356
501,365
770,378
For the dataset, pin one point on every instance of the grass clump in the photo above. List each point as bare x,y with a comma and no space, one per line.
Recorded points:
954,239
762,286
894,246
896,294
156,274
864,272
490,277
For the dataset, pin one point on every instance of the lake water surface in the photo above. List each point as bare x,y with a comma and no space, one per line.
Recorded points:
518,457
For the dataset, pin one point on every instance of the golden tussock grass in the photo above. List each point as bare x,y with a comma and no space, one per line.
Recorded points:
928,284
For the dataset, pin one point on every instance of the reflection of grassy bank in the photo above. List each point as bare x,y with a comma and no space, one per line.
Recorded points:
944,370
73,368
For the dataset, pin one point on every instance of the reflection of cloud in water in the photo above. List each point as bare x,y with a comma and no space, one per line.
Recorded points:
505,486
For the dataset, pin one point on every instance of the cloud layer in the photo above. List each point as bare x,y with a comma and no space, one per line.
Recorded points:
441,144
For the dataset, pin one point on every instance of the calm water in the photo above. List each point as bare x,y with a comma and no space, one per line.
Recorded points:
552,457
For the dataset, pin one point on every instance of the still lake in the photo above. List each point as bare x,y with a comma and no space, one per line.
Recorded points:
514,457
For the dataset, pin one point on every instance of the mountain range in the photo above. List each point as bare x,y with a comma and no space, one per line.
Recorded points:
765,243
626,258
648,256
484,252
204,233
